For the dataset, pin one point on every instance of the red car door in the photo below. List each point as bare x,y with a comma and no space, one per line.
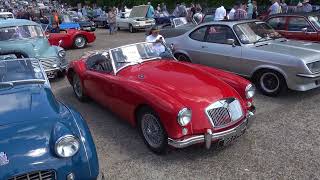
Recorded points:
299,28
54,38
97,80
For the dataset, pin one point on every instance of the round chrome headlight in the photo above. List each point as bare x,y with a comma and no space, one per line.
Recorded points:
184,116
62,53
250,91
67,146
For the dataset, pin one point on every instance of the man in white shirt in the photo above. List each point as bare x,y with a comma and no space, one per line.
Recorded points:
275,8
157,40
220,14
231,13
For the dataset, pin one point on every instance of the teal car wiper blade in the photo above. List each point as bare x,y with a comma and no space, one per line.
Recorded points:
6,85
27,81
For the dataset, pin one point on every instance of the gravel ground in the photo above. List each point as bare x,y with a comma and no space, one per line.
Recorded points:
282,143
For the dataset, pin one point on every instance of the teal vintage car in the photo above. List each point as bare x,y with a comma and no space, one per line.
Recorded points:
26,39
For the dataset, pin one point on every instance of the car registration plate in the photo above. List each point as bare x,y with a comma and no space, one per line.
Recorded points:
229,139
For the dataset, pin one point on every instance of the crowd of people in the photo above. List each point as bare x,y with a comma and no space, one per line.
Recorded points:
249,10
193,12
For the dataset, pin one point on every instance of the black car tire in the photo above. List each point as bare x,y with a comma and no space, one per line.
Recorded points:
131,29
146,116
78,88
182,57
270,82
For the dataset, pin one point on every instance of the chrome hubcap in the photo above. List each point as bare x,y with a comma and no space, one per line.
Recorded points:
151,130
270,82
77,86
80,42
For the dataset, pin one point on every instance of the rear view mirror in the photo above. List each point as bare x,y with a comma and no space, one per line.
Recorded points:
305,30
231,42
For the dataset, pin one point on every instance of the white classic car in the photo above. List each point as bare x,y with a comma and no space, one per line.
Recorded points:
136,20
6,15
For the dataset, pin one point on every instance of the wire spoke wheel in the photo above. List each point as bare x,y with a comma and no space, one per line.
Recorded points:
77,86
152,130
80,42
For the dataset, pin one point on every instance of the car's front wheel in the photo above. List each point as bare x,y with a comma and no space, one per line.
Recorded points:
80,42
78,88
271,83
131,29
182,57
152,131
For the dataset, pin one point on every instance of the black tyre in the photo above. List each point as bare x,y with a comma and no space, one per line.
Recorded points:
78,88
61,74
152,131
182,57
79,42
270,82
131,28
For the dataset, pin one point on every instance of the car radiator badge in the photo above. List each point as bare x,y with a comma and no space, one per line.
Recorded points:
3,159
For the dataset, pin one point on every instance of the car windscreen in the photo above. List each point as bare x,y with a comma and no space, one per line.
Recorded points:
252,32
315,20
19,32
138,53
12,70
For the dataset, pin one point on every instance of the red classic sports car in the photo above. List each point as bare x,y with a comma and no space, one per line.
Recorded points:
172,103
71,38
299,26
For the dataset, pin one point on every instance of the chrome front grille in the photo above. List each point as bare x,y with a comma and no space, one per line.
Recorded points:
219,116
36,175
224,112
48,63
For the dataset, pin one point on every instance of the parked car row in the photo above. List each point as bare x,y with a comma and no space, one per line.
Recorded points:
187,93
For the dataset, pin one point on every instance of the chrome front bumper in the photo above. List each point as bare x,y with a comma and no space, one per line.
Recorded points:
208,137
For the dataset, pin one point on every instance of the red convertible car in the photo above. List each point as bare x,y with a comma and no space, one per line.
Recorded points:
172,103
71,38
299,26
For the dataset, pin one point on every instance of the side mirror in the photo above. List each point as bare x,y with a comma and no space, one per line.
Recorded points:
305,30
231,42
60,42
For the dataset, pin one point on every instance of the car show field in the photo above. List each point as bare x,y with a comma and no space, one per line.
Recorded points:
281,142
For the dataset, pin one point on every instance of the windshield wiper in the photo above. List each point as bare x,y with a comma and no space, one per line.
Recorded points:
6,85
27,81
124,62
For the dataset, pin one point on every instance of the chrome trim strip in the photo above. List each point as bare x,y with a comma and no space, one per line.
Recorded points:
309,75
81,136
201,138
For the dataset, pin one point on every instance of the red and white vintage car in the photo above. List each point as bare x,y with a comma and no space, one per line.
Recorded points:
172,103
71,38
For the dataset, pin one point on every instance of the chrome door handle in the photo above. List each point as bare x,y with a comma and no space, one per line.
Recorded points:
204,46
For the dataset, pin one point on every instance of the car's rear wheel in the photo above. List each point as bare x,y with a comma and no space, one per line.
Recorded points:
79,42
78,88
182,57
152,131
270,82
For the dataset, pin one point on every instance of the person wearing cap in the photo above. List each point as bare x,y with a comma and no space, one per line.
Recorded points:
306,6
157,40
